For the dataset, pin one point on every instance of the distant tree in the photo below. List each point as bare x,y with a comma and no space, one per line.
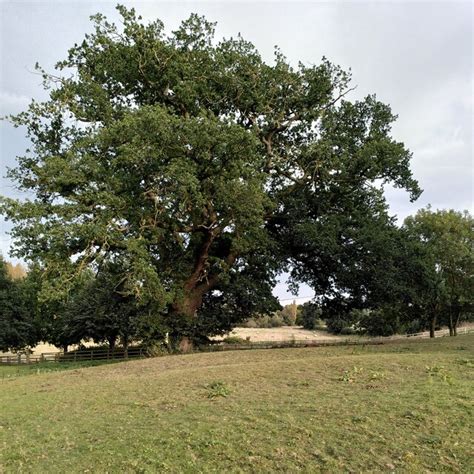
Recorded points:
445,293
289,313
310,315
191,158
16,272
18,325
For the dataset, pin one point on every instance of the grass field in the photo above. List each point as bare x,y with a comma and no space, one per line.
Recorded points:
405,406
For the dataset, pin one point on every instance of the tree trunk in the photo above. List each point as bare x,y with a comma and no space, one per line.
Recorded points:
65,348
185,309
456,322
450,322
111,341
185,345
196,286
432,326
125,346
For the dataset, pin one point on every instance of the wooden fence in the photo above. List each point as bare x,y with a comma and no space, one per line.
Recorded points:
138,352
73,356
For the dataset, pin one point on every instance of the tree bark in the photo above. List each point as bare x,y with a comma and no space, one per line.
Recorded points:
111,342
185,308
432,326
450,322
195,287
125,346
456,322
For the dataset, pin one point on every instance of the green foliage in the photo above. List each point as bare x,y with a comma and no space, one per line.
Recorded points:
235,340
310,316
383,321
266,321
289,314
18,312
445,285
341,323
205,172
217,389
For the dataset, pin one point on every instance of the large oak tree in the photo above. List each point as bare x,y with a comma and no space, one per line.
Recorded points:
186,159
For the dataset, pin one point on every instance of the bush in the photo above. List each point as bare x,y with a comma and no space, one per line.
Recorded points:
348,331
276,321
157,350
379,322
338,324
250,323
265,321
235,340
415,326
310,316
288,314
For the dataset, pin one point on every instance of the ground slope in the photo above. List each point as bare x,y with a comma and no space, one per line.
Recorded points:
399,407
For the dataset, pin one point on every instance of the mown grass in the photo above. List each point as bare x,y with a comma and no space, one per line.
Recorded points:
13,371
403,407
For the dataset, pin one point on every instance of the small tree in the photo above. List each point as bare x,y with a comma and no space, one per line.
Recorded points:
310,315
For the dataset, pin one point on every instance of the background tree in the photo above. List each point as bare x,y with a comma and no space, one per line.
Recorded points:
446,243
16,272
310,315
186,157
102,310
18,324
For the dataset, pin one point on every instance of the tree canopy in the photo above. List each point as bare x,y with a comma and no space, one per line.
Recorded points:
18,324
201,170
444,293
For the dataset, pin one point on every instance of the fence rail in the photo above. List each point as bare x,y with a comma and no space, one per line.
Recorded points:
73,356
139,352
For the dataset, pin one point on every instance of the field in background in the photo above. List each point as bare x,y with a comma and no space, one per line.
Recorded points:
402,406
284,333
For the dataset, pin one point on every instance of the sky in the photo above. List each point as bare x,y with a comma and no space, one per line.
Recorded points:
415,56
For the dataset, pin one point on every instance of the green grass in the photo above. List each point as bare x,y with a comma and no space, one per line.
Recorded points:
404,407
13,371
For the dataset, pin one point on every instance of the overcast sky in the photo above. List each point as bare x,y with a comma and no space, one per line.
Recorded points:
416,56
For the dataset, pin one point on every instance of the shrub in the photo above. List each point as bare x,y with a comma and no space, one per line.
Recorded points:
310,316
378,322
276,321
265,321
348,331
250,323
235,340
338,324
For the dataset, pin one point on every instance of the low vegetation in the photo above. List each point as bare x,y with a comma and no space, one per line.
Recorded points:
397,407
